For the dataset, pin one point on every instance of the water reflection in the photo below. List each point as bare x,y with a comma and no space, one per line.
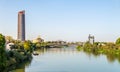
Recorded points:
110,56
66,59
56,50
21,67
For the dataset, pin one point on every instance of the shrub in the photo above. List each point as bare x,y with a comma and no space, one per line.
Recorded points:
2,53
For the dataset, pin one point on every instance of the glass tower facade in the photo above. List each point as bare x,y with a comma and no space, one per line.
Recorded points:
21,25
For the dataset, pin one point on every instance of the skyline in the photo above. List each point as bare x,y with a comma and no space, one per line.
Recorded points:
63,19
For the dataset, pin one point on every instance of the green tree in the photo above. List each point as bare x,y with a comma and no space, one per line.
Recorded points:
38,45
118,41
2,53
26,45
9,39
88,45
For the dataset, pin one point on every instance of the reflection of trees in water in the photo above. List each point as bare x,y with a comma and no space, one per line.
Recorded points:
119,59
40,50
90,52
21,67
59,50
111,50
19,70
110,55
70,49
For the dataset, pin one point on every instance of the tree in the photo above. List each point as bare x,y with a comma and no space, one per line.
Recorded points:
9,39
118,41
26,45
38,45
2,53
88,45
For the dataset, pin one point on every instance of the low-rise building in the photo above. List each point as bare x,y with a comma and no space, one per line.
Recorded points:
38,40
9,45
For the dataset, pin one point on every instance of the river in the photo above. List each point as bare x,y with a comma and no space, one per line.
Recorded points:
68,59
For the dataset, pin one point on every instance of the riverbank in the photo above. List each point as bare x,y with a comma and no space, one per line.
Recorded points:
69,60
15,58
111,50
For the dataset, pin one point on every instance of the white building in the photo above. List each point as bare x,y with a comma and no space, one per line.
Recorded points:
8,46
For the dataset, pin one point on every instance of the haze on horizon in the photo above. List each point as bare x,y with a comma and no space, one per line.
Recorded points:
69,20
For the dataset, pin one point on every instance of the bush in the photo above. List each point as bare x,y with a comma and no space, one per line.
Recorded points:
2,53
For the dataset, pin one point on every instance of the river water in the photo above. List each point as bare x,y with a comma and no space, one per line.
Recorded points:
69,60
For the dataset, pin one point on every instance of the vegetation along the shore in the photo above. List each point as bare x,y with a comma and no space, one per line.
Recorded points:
19,53
110,49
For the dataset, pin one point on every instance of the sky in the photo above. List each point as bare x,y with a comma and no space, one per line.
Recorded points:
68,20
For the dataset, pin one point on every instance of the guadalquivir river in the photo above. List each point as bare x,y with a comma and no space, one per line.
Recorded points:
69,60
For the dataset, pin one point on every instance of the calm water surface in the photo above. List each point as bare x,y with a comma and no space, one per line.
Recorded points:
69,60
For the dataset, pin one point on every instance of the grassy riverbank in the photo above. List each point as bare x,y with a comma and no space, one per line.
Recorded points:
111,50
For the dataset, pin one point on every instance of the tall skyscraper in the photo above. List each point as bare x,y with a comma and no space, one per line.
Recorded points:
21,25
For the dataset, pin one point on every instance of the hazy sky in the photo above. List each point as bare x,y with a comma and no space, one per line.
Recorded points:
69,20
